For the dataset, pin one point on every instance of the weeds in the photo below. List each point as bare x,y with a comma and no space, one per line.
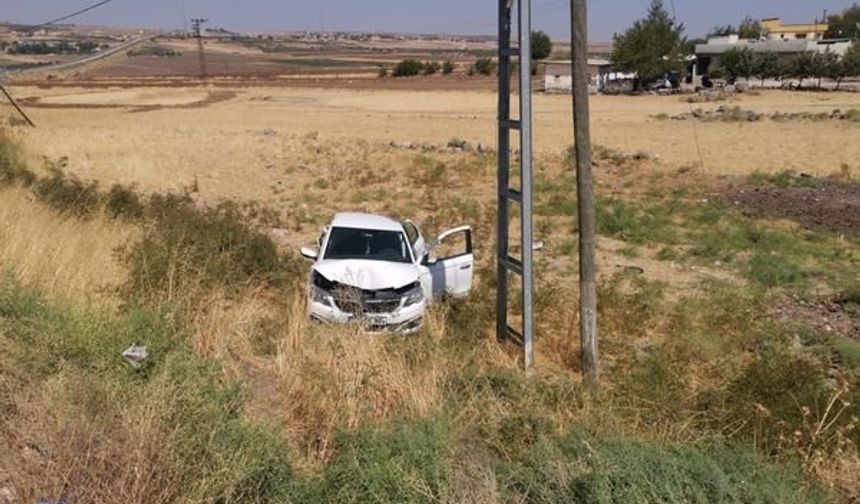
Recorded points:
12,168
176,431
124,202
188,250
68,194
446,416
622,470
620,219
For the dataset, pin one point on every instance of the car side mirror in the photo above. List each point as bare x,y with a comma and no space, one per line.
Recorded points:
309,253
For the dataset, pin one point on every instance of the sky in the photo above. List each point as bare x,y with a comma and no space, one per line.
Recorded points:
407,16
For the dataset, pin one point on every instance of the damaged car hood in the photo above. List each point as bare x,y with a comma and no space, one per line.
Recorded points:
368,275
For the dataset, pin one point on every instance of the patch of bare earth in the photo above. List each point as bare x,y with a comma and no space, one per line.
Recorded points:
829,205
832,315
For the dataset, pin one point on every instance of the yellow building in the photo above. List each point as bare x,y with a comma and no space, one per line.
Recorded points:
775,30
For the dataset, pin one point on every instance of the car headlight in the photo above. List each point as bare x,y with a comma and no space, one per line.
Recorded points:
320,296
414,295
320,289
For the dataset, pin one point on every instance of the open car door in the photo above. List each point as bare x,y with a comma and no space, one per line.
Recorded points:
450,263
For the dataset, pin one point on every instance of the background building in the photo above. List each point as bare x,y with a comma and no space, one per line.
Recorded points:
775,30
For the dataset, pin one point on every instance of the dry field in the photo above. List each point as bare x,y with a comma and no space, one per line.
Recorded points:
243,146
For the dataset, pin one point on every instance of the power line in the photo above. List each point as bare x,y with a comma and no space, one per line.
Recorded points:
484,22
76,13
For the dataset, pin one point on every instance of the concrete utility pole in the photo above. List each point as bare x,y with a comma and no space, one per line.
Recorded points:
585,194
196,22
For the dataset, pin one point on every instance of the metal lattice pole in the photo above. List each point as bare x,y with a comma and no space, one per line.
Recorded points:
198,34
506,262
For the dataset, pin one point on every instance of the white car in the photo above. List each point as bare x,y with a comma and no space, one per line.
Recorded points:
381,273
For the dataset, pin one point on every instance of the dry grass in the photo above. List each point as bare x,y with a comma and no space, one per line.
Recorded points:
66,257
242,147
58,441
315,382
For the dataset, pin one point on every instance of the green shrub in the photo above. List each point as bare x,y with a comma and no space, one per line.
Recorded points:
123,201
771,400
432,67
484,66
406,464
448,67
408,68
634,472
67,193
188,248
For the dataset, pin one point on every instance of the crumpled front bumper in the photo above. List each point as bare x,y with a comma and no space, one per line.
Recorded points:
405,319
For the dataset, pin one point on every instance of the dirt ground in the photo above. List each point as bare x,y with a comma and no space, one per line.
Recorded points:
829,206
832,315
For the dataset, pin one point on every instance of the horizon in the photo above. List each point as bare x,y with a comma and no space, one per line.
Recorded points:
605,18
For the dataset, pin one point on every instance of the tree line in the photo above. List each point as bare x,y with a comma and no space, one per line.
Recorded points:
541,49
41,48
655,47
744,63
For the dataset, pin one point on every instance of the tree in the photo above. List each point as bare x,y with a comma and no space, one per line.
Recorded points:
750,28
431,67
448,67
801,67
723,31
846,66
823,64
408,68
765,66
845,24
541,45
737,63
652,47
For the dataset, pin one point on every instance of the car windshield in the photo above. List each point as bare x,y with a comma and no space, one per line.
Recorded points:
370,244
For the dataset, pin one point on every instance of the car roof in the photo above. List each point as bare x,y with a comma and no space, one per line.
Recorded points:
366,221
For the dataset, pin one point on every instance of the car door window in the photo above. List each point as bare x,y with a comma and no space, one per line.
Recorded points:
412,235
453,246
411,232
451,263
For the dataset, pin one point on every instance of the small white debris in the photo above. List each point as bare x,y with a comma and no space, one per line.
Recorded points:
135,355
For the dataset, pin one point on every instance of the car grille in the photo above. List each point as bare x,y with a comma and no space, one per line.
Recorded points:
387,306
356,307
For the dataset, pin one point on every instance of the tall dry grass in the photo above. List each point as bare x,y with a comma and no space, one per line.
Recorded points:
317,380
65,446
67,258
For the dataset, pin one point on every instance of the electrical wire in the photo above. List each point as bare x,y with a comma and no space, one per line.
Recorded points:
76,13
484,22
